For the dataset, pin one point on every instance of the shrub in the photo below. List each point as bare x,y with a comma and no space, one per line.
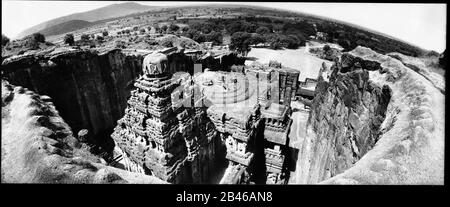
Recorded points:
85,37
164,28
105,33
69,39
100,38
142,31
157,29
167,44
173,27
275,64
38,37
120,44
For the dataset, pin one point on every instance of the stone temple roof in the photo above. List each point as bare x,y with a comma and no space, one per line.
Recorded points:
155,63
275,111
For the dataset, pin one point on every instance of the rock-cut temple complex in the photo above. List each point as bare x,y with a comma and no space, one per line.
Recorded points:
183,128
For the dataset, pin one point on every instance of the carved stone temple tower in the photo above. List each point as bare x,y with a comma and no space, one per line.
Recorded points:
162,133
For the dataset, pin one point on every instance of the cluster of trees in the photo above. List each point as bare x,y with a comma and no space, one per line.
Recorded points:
85,38
32,41
125,31
350,37
241,41
251,31
171,29
215,37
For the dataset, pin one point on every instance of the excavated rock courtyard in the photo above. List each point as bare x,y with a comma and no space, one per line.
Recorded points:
373,119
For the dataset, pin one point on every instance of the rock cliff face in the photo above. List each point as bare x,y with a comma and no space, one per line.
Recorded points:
410,148
382,124
345,117
39,147
89,89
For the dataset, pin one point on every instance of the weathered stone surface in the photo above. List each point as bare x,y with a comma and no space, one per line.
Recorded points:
346,115
38,147
159,134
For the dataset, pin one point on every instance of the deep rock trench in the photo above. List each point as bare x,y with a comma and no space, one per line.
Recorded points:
345,119
91,90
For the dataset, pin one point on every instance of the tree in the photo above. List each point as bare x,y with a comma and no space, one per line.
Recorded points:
120,44
234,27
256,39
85,37
135,28
105,33
100,38
38,37
69,39
173,27
215,37
157,29
5,40
142,31
92,36
240,41
345,44
262,30
167,44
164,28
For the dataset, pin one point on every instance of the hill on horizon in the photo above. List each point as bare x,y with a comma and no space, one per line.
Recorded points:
111,11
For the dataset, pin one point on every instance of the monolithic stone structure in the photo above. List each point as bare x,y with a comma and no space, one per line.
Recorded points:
176,125
277,122
236,116
283,81
159,134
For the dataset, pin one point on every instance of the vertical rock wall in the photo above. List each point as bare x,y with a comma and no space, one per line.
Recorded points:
344,121
89,90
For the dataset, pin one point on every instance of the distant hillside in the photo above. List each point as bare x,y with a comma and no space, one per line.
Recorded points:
111,11
64,27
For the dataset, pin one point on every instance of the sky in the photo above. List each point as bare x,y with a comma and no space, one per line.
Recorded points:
423,25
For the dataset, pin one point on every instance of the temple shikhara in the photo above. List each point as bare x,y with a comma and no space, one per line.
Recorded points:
208,127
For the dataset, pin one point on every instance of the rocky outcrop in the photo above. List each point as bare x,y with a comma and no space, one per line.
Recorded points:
39,147
89,89
410,148
420,67
345,115
376,122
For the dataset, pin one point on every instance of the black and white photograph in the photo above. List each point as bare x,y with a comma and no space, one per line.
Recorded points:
223,93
